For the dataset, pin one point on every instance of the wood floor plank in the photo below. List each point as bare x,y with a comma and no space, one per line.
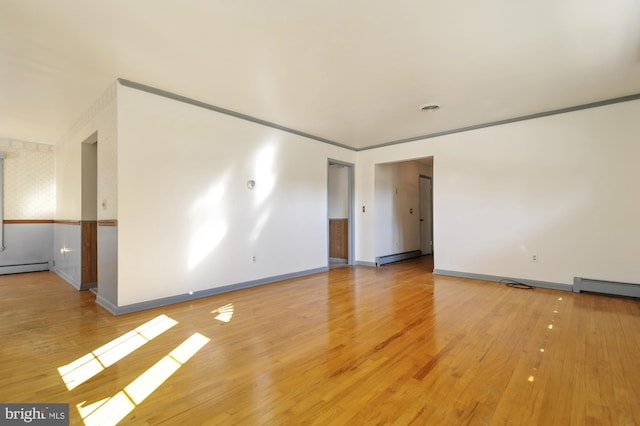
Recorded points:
355,345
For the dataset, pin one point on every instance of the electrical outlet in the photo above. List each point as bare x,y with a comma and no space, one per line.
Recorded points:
535,258
253,259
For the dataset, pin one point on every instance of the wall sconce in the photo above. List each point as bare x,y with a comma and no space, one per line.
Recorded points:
251,184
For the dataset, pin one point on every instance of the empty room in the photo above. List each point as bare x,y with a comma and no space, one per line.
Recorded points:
319,212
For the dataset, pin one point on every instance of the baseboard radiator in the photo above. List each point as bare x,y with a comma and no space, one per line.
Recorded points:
382,260
24,267
605,287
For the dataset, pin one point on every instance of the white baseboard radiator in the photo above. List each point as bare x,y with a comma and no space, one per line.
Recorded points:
24,267
605,287
383,260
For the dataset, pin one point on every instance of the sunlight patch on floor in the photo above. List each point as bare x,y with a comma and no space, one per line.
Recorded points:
87,366
224,312
110,411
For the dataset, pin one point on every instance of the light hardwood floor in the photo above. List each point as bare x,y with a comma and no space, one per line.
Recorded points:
355,345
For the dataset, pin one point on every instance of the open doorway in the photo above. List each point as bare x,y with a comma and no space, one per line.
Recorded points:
403,206
89,213
340,213
426,215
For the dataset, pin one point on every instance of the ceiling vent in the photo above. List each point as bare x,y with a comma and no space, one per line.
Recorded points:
429,107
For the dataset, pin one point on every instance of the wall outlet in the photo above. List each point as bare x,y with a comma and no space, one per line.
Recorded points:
535,258
253,259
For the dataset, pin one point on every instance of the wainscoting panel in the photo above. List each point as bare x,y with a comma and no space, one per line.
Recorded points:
28,246
107,263
67,250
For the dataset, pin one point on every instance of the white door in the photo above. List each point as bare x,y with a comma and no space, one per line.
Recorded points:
426,221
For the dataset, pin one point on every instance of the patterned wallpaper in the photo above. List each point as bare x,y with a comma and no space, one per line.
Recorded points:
29,183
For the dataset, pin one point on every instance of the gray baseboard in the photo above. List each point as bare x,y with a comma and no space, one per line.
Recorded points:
74,283
337,260
606,287
26,267
383,260
134,307
88,286
67,278
113,309
533,283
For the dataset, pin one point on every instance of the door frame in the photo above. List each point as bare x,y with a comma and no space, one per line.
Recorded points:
89,213
350,206
430,180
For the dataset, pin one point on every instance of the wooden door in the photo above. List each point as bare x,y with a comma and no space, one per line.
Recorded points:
89,254
339,238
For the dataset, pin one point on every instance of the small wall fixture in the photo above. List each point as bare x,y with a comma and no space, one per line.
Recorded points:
251,184
429,107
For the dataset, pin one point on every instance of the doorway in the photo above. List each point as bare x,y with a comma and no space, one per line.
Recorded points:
89,213
426,215
340,213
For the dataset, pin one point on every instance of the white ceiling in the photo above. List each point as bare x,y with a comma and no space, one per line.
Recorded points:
351,71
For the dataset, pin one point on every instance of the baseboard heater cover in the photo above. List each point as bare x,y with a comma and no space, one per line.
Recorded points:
605,287
24,267
383,260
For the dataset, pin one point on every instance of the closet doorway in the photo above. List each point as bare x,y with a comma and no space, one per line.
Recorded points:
340,213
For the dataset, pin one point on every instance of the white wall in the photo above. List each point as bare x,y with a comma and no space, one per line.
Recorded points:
89,153
100,118
562,187
186,219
